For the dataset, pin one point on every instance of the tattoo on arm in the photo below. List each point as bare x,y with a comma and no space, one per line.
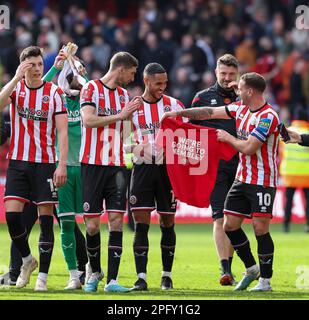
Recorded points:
197,113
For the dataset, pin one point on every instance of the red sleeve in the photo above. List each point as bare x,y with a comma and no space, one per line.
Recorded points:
87,96
231,109
60,101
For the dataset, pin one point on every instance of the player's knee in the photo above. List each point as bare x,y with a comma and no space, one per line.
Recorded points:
218,223
167,221
228,226
260,226
93,226
116,222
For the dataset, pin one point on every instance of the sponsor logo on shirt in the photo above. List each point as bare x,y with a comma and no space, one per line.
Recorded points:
264,125
32,114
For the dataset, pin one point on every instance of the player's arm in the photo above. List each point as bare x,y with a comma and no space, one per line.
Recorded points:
248,147
91,120
60,175
200,113
58,64
10,86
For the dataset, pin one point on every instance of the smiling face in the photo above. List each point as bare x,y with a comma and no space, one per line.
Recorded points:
245,92
156,84
225,75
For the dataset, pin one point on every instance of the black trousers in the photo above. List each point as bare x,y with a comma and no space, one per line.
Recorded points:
289,193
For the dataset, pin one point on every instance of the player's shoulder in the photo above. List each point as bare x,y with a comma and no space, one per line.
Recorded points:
206,92
53,88
172,101
268,109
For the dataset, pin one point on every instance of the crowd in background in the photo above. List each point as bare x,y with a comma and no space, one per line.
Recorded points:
185,36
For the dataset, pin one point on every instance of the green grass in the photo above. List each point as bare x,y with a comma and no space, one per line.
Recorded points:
195,271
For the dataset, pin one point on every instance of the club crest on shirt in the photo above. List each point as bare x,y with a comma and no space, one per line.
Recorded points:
167,108
45,99
122,99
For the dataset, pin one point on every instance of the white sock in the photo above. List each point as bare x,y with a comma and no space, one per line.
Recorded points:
96,275
264,280
42,276
74,274
252,269
113,281
27,259
166,274
142,275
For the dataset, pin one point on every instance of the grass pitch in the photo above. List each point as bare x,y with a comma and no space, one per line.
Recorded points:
195,272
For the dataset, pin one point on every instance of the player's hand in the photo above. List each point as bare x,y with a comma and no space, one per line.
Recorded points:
22,69
60,59
294,137
223,136
131,107
60,175
169,114
234,85
142,153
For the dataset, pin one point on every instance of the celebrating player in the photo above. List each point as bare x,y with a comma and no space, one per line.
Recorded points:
104,107
37,112
253,192
150,185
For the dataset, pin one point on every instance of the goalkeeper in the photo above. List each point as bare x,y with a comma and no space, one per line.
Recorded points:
71,79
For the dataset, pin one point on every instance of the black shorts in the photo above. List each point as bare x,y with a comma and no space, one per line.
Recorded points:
249,200
30,181
151,189
224,182
103,183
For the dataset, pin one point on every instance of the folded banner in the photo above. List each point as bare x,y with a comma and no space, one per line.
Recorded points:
192,158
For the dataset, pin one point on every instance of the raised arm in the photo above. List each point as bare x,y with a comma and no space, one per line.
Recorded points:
10,86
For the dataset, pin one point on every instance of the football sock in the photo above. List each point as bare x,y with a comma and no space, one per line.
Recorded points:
265,253
141,247
18,232
241,245
168,242
114,254
68,242
94,251
46,242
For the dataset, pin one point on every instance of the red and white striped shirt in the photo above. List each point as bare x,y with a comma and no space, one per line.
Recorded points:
146,120
33,125
261,167
104,145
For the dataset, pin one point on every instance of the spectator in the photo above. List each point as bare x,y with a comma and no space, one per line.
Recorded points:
101,52
294,169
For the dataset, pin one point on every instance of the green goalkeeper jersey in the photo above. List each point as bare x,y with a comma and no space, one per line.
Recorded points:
74,124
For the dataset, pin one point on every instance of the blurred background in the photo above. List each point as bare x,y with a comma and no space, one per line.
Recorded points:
185,36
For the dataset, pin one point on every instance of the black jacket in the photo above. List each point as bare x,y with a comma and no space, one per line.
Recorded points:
4,129
216,96
305,140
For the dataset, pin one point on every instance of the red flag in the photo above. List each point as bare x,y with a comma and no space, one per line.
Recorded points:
192,158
